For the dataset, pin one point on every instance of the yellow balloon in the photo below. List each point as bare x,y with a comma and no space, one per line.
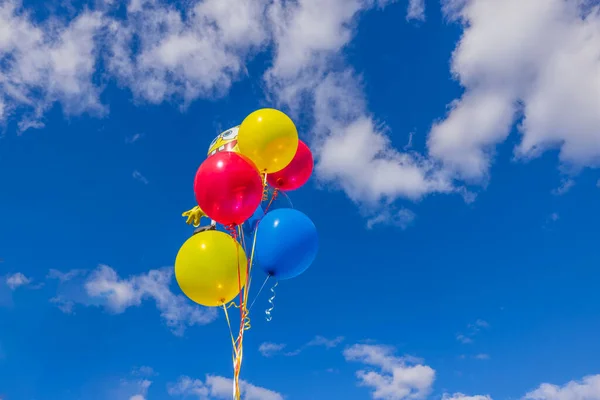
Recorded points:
269,138
206,268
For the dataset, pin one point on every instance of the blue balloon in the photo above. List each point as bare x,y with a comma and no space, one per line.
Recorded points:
286,243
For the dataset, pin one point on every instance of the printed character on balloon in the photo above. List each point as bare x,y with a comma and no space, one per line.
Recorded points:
225,141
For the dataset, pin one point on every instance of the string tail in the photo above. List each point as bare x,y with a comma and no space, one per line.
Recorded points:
265,195
269,317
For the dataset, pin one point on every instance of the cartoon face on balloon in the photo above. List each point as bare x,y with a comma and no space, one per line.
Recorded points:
226,141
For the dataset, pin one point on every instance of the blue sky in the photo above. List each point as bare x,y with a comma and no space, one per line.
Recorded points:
454,193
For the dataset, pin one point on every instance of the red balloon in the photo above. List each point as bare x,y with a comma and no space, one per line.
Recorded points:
228,188
297,171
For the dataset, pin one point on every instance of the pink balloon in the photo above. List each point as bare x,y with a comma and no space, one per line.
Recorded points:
297,171
228,188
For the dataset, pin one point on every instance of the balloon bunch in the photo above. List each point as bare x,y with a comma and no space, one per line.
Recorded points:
241,186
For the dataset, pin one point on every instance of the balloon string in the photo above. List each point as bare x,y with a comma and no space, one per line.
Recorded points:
275,193
244,317
247,325
268,312
236,353
243,237
259,292
230,330
238,345
251,262
249,265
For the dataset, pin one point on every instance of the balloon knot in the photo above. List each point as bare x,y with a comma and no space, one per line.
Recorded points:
231,229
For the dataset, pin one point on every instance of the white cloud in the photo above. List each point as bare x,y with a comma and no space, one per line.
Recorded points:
217,387
586,389
353,150
545,68
46,63
416,10
358,158
159,52
482,356
166,54
185,55
307,33
16,280
104,288
393,378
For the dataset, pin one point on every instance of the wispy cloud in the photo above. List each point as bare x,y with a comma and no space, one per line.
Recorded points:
464,339
218,387
566,184
138,176
65,276
65,305
402,218
268,349
327,343
133,138
144,370
472,330
460,396
103,287
482,356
